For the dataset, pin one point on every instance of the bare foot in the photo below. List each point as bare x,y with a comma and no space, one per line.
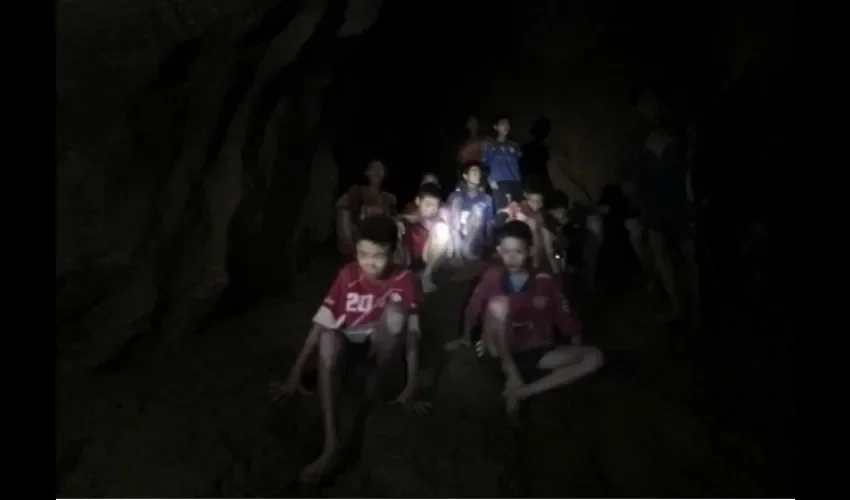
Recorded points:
318,469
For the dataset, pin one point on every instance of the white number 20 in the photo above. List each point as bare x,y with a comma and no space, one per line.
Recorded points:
354,302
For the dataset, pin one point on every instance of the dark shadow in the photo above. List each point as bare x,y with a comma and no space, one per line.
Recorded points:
535,153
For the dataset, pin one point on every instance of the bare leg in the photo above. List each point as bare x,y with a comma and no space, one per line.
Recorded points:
497,332
567,364
664,266
435,252
330,346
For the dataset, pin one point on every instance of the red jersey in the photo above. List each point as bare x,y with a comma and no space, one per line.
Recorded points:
363,202
355,301
470,151
415,237
535,311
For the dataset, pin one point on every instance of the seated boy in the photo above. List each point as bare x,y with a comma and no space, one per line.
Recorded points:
426,240
427,178
370,308
530,211
521,310
360,202
470,214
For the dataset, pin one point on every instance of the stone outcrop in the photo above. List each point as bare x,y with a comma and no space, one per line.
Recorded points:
180,127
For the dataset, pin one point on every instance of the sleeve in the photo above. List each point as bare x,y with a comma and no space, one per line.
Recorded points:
562,314
331,313
479,298
349,199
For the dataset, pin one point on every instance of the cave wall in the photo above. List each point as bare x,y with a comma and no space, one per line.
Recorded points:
180,125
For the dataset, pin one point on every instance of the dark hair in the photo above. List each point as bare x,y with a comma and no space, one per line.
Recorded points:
379,229
500,117
558,199
514,229
468,165
430,174
430,190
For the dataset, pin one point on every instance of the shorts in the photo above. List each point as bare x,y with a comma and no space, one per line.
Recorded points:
358,365
527,363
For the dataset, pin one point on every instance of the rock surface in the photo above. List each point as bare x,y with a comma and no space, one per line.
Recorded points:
180,125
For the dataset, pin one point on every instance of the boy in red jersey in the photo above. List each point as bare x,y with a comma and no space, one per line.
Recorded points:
521,309
530,211
427,178
370,308
426,240
360,202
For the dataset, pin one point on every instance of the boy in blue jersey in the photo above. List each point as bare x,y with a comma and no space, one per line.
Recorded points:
470,214
501,156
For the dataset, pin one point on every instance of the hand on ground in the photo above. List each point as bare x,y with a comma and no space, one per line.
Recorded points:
281,391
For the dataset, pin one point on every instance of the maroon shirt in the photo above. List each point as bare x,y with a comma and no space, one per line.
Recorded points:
536,311
470,151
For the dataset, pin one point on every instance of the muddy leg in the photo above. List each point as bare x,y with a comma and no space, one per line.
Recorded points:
565,365
497,328
330,347
436,251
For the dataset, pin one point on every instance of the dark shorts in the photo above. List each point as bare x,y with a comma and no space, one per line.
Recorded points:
527,363
357,365
508,191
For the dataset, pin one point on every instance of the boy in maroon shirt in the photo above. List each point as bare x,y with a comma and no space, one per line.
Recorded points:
521,309
370,308
360,202
426,239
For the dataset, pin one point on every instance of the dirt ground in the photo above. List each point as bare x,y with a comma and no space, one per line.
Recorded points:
201,424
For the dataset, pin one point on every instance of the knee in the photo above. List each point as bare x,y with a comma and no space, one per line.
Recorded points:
329,346
394,319
498,308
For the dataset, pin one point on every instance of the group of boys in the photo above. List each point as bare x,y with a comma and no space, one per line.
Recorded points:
517,313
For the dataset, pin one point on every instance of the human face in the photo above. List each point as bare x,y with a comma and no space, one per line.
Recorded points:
376,172
514,253
372,258
503,127
430,179
473,176
535,201
428,206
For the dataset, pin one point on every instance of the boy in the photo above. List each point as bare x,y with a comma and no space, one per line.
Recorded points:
470,150
360,202
370,308
531,212
522,309
427,178
426,239
501,155
470,214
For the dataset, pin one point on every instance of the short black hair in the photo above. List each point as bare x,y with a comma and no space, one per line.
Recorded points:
379,229
468,165
514,229
558,199
500,117
430,190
